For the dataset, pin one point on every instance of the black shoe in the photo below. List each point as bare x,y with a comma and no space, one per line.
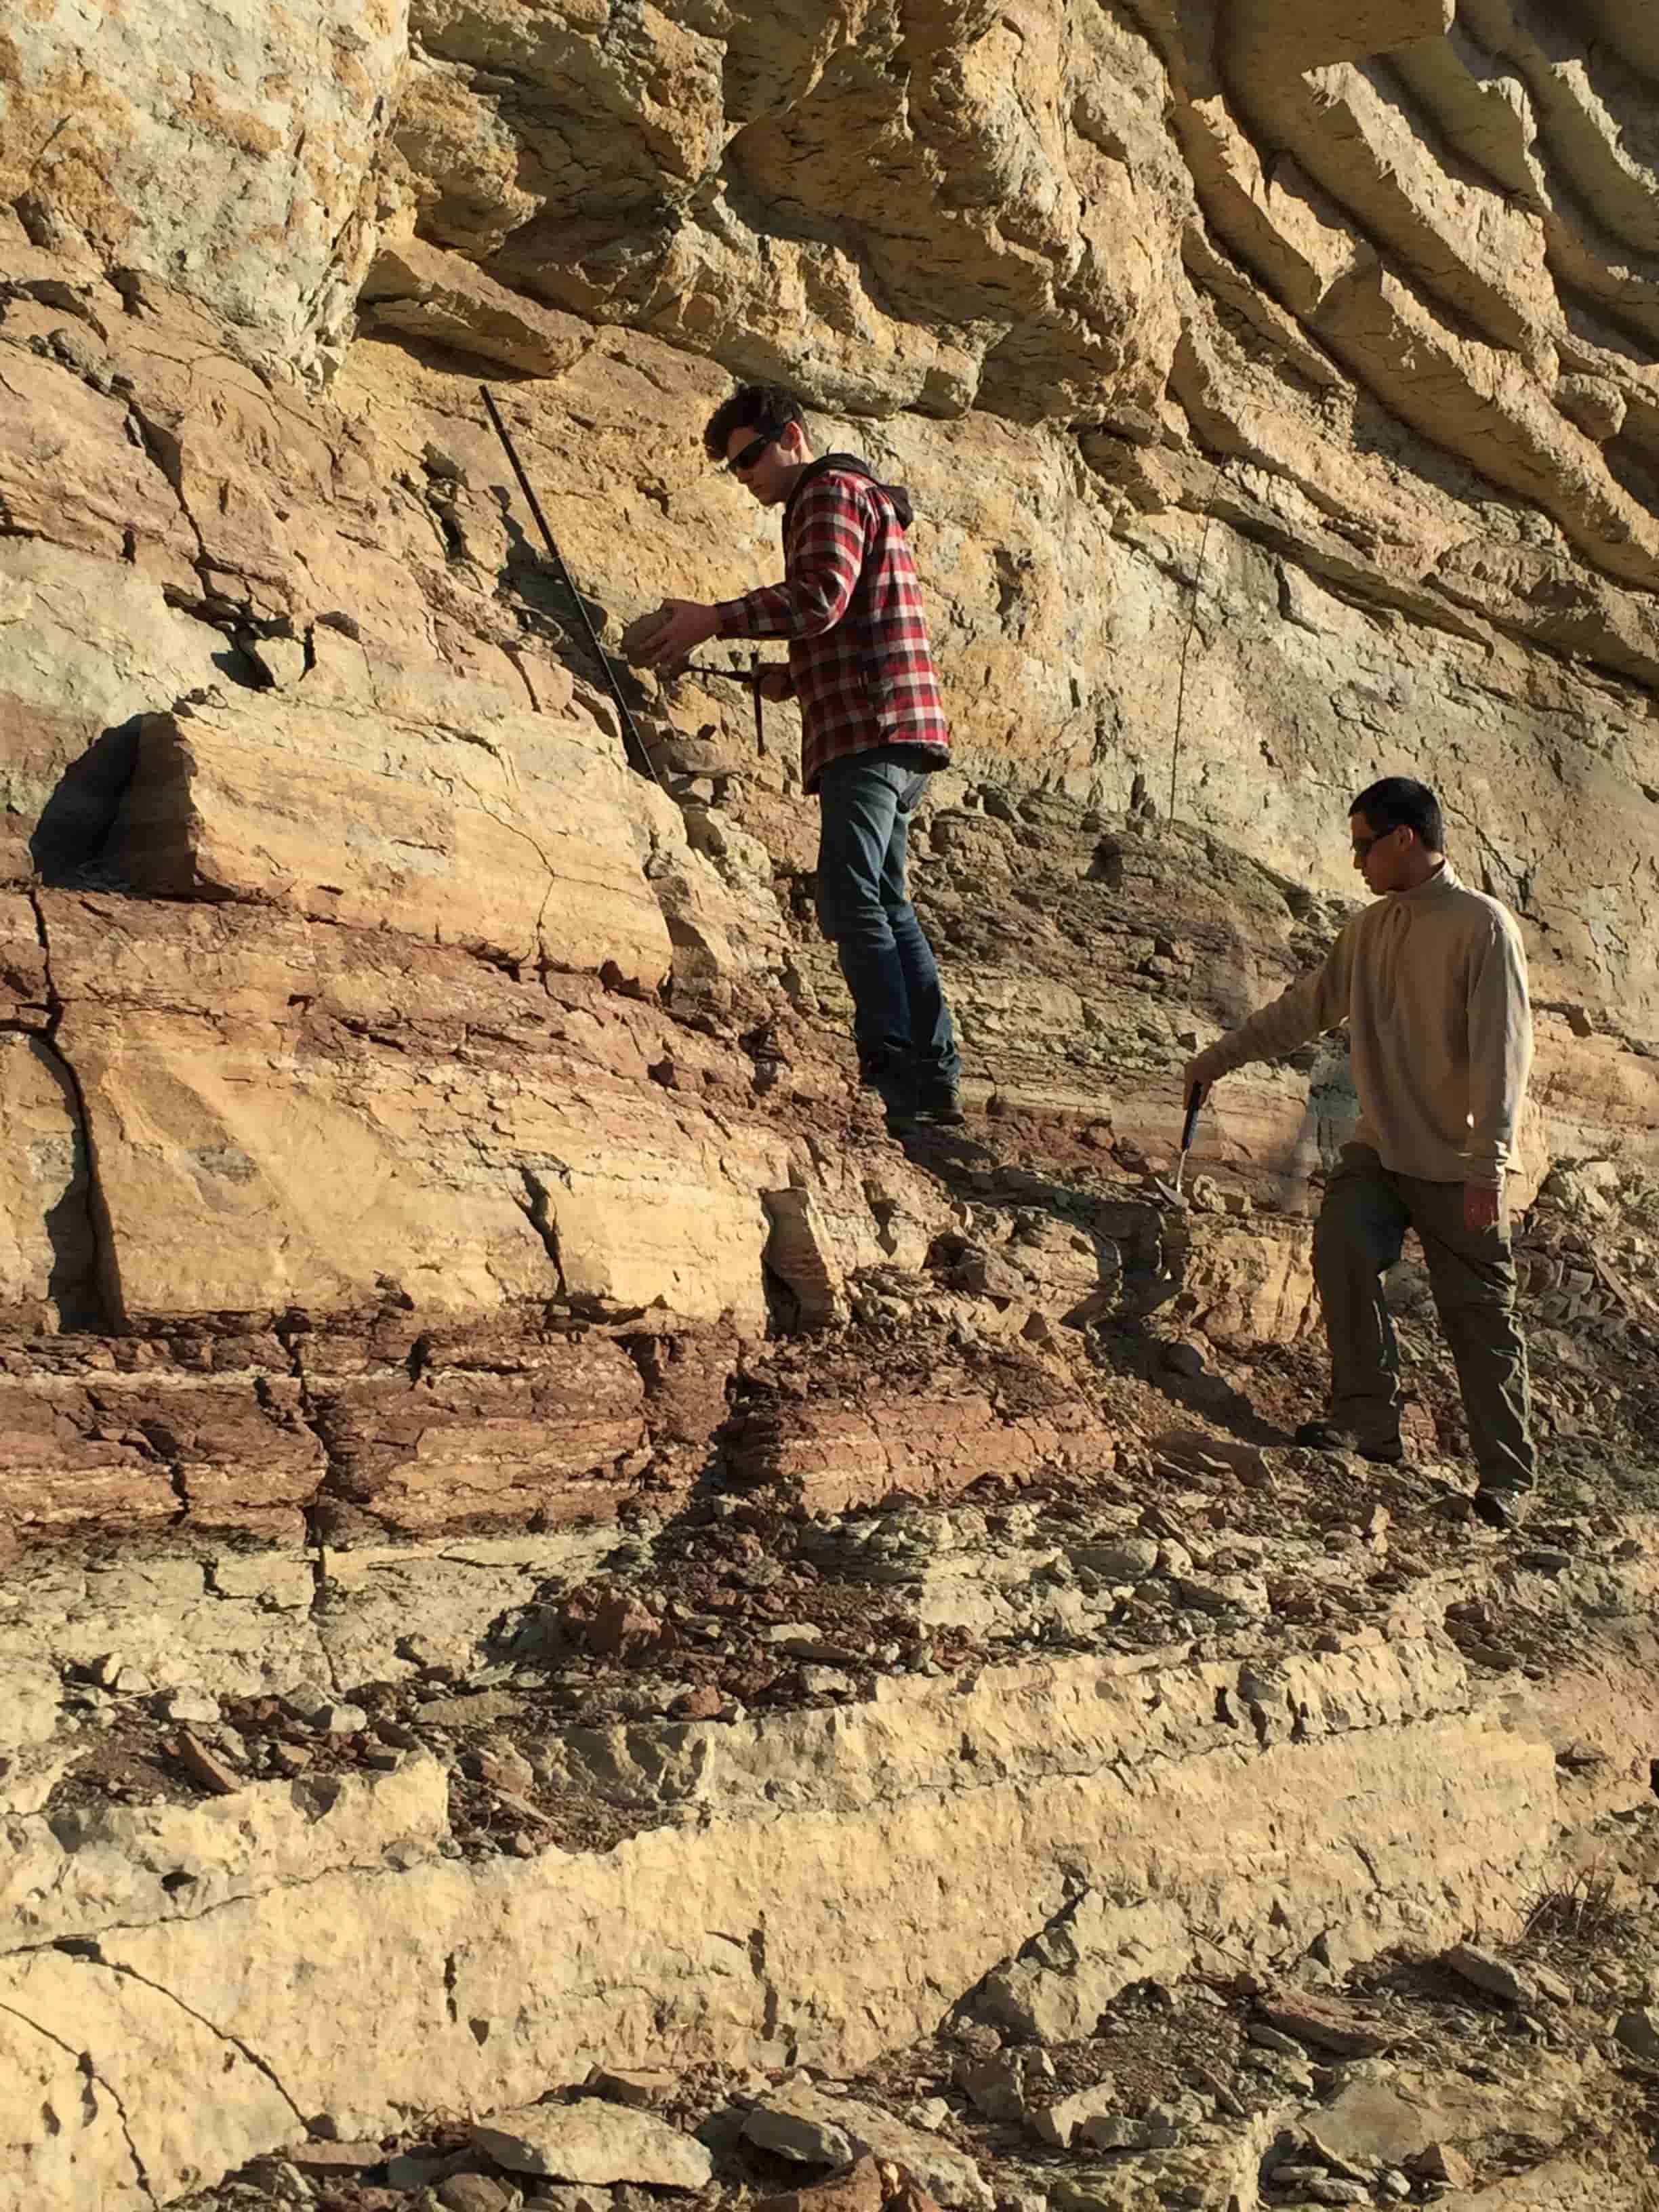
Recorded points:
938,1104
889,1073
1500,1509
1325,1436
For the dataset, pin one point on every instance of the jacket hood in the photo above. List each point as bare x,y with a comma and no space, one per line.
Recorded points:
849,464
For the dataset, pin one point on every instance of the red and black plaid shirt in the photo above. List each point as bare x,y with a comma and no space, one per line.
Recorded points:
850,606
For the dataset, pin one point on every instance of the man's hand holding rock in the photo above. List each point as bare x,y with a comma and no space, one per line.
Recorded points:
686,625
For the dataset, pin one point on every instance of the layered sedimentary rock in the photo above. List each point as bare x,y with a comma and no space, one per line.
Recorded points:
437,1195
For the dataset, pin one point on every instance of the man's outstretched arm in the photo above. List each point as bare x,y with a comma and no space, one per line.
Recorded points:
1313,1003
830,540
829,544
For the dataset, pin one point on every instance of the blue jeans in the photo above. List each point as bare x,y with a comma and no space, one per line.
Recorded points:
900,1019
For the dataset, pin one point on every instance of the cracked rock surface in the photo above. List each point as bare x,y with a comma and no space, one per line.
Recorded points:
562,1597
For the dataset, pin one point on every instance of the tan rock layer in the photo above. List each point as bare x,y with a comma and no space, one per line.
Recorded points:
949,1817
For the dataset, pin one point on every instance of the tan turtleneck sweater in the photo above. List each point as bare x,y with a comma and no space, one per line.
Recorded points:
1432,984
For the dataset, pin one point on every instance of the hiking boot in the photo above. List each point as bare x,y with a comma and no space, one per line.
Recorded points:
1500,1509
938,1104
1325,1436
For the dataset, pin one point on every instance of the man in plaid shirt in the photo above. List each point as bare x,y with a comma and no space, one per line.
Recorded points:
873,724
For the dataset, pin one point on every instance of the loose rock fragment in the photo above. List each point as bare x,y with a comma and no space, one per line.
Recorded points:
638,2088
413,2169
323,2158
857,2189
702,1703
204,1766
901,2191
1270,2038
1440,2161
1130,1561
799,2121
1325,2023
1059,2122
1001,2085
194,1708
1118,2131
1333,2160
476,2192
279,2178
594,2141
1485,1971
504,1770
320,1708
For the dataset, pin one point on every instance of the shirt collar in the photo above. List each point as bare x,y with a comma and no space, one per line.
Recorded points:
1443,880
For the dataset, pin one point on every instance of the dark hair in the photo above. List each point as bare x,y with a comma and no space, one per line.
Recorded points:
1397,802
761,408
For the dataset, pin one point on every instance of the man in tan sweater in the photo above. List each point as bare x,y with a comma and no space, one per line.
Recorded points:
1431,981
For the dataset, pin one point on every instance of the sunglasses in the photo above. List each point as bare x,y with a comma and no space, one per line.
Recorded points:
1362,846
740,463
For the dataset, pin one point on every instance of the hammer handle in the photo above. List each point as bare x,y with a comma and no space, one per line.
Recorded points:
730,674
1194,1101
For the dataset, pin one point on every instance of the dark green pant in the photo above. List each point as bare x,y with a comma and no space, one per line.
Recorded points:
1362,1226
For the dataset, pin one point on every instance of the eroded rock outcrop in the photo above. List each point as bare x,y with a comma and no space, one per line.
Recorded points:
499,1456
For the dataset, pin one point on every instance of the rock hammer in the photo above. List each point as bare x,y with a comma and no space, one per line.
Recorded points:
1194,1101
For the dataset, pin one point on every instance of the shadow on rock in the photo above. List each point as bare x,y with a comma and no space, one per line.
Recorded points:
69,839
1121,1260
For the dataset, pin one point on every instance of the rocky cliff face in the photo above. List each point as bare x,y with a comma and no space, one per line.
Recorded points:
436,1199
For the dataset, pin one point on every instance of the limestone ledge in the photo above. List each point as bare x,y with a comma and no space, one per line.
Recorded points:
254,1621
308,1944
